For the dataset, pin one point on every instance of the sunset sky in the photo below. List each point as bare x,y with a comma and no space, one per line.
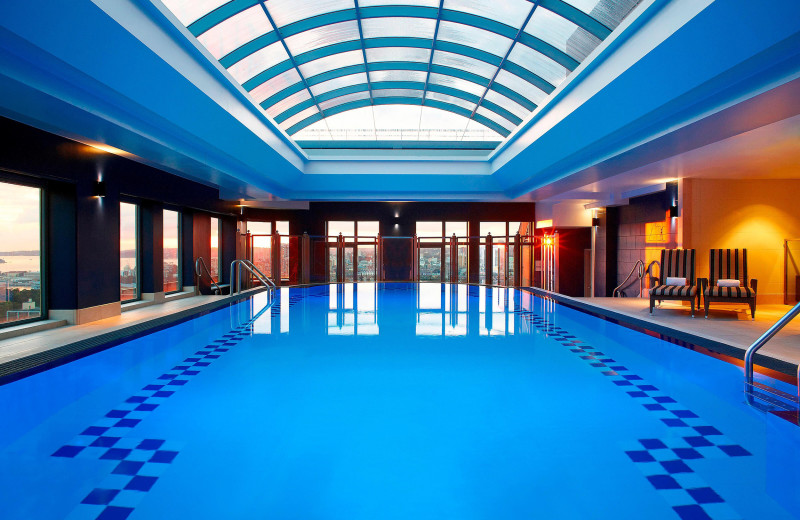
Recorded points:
19,218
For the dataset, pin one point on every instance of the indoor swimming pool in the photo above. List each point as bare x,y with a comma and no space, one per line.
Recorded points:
394,401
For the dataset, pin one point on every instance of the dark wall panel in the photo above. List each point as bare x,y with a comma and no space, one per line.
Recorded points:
97,247
187,248
61,246
151,244
83,231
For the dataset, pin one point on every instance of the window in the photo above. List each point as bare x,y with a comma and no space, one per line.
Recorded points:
359,255
347,229
172,251
215,259
261,245
128,252
459,229
20,253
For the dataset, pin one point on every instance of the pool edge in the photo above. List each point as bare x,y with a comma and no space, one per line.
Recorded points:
32,364
689,340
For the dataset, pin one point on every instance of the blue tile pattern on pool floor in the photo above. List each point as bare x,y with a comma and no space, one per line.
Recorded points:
141,461
399,401
663,462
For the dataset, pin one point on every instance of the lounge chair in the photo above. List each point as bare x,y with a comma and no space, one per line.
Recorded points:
727,279
677,265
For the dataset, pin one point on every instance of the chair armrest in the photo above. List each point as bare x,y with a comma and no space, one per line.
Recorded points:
654,281
754,284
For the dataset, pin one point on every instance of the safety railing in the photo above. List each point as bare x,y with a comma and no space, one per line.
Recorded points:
641,272
303,259
198,272
749,384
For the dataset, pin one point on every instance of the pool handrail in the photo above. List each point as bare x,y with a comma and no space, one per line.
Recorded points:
255,271
638,267
761,341
201,262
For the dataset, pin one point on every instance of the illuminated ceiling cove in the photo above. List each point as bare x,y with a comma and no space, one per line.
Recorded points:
487,64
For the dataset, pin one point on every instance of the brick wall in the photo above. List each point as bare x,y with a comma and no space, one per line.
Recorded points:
645,228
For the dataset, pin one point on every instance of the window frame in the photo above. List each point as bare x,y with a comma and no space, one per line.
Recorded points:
179,252
6,178
137,241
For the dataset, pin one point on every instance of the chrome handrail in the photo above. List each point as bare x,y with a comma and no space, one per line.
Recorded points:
197,263
236,274
638,265
265,277
760,342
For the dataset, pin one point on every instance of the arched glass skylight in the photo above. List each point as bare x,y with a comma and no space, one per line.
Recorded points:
314,66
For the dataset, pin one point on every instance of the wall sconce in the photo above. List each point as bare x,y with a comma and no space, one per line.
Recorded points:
595,222
99,189
673,211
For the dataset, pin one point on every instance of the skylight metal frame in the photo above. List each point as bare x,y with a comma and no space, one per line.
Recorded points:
277,31
520,94
433,50
505,58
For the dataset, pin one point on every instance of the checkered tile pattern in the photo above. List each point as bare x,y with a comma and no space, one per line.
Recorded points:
140,462
664,462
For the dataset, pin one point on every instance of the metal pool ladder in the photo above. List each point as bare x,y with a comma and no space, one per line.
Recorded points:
641,272
755,389
236,274
198,272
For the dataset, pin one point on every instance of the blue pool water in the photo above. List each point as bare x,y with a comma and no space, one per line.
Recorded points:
394,401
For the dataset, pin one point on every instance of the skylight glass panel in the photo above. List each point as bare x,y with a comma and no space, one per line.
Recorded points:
397,75
465,63
424,3
275,85
521,87
322,37
497,118
335,61
347,98
189,11
398,27
412,54
509,12
457,83
510,105
300,116
344,81
284,12
285,104
258,62
397,92
446,98
476,131
473,37
235,31
606,12
536,62
561,34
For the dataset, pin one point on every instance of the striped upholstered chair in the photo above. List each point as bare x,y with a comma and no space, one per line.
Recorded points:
730,265
675,263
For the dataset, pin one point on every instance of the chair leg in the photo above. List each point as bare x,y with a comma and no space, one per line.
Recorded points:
706,303
692,303
652,302
753,308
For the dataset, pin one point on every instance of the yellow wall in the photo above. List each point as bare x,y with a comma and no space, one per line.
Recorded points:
751,214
